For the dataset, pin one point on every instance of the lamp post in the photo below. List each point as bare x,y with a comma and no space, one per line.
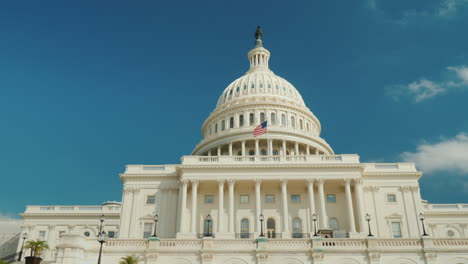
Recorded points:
101,238
368,218
421,217
25,235
156,219
314,218
261,224
208,231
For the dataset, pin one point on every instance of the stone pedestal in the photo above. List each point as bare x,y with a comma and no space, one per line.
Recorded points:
70,249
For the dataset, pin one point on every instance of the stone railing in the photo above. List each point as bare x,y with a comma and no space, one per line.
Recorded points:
31,209
150,169
389,167
302,244
278,159
445,207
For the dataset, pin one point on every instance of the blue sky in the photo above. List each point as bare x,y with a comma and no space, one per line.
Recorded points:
87,87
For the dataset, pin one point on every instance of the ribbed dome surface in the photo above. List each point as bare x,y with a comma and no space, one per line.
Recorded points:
260,82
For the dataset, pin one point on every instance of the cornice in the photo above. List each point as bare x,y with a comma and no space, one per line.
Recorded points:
134,175
415,174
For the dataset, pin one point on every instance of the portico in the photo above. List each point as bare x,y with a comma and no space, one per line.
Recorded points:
285,200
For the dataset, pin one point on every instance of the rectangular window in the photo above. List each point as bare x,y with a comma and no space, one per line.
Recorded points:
295,198
42,235
391,198
111,234
148,227
331,198
150,199
244,199
251,119
396,230
209,199
241,120
269,198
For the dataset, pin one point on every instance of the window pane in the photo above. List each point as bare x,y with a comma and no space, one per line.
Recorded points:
223,125
297,228
147,228
42,234
262,117
331,198
263,152
209,199
269,198
283,119
241,120
333,223
273,119
150,199
231,122
295,198
245,228
244,198
251,119
293,122
396,230
391,198
111,234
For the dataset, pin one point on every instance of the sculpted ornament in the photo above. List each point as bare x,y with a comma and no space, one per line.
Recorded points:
262,256
317,256
374,256
207,256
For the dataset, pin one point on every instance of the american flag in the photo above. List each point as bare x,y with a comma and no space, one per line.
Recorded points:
260,129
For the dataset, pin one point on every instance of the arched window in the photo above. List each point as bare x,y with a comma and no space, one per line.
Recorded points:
210,130
245,86
262,117
275,152
296,228
237,89
287,152
239,153
223,125
293,122
251,119
263,152
333,223
269,85
231,122
251,152
244,228
261,85
307,126
283,120
241,120
271,228
216,128
273,119
301,125
252,86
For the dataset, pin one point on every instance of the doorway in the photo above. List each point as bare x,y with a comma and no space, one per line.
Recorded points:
271,228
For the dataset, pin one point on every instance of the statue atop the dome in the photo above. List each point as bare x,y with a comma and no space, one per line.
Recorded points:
258,33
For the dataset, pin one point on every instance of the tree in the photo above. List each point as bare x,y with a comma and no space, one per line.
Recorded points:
4,262
36,246
130,260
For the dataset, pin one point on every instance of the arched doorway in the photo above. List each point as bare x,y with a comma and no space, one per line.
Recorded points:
271,228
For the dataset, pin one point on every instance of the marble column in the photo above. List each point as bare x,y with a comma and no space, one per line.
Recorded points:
183,205
310,188
284,194
230,148
323,211
221,206
231,205
284,147
360,205
296,148
194,206
243,147
219,150
258,208
257,148
349,203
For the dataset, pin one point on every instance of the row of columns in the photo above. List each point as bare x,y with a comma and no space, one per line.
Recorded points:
322,213
269,148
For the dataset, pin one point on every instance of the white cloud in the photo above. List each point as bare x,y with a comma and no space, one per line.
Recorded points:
445,9
423,88
447,155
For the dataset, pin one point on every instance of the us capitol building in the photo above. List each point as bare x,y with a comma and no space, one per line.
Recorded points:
282,197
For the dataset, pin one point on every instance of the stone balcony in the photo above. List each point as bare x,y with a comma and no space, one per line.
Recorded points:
72,210
302,244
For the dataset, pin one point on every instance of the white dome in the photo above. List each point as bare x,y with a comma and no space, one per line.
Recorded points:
258,96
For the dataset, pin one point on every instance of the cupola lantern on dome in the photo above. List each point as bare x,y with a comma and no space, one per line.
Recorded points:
258,96
258,56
